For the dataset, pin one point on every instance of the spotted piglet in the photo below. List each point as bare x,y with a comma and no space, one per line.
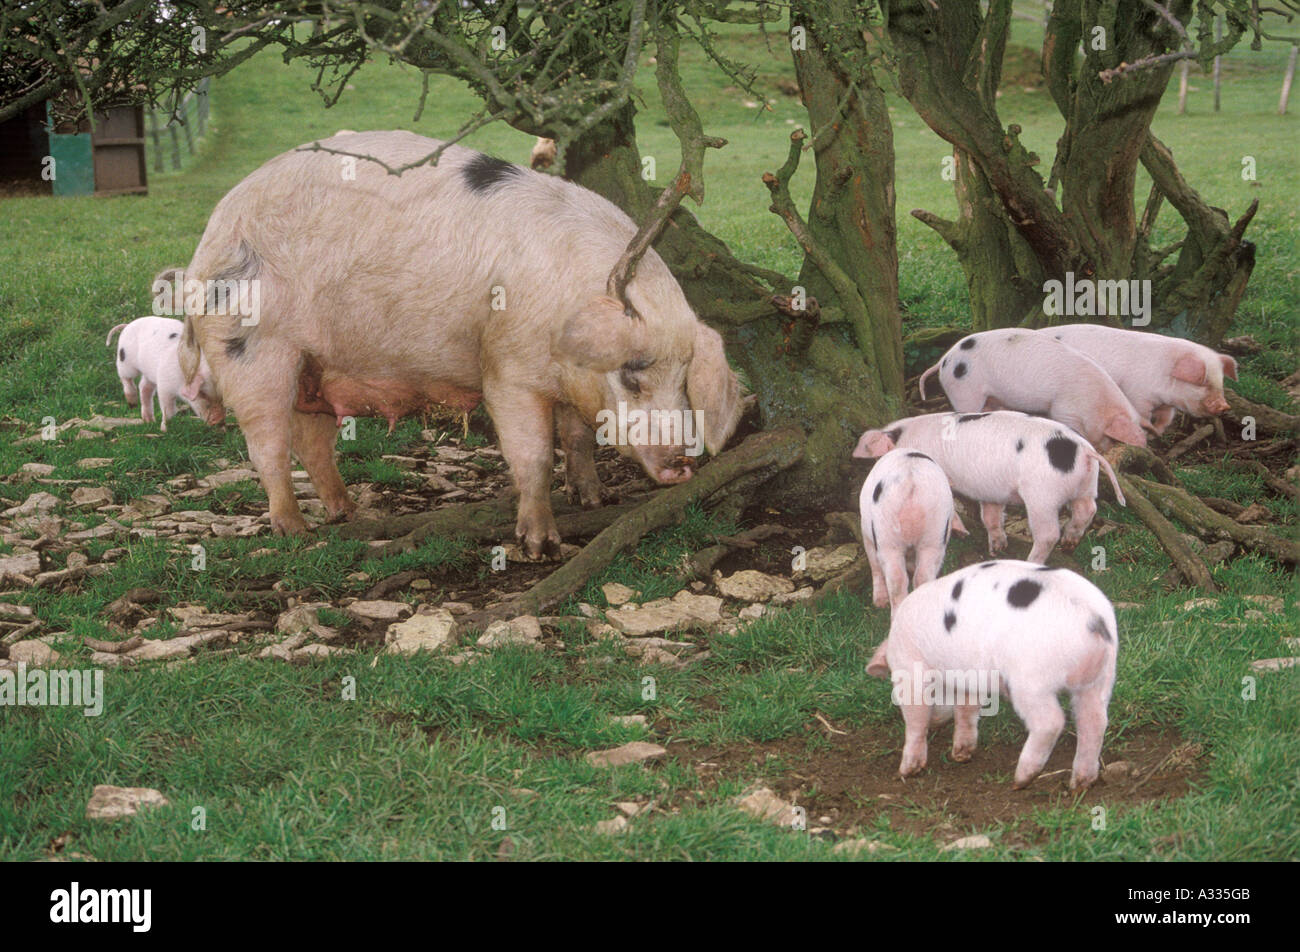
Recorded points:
147,349
999,458
906,507
1012,628
1017,369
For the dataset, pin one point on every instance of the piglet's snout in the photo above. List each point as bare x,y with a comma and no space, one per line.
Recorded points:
1214,404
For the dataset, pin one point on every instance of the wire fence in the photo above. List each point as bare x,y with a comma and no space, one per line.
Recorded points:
188,122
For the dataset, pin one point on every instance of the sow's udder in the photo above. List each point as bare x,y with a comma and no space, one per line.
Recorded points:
327,391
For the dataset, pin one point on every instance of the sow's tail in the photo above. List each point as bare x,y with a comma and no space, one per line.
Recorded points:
923,379
221,290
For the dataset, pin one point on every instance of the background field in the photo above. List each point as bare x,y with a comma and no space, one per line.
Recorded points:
414,767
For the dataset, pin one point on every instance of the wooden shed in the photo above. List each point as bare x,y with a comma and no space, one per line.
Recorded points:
72,160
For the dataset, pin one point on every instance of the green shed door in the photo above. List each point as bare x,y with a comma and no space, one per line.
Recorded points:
74,164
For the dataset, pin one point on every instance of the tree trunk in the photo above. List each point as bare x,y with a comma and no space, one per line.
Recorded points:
818,384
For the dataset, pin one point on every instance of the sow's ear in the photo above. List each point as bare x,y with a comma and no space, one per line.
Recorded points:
1229,366
712,388
599,336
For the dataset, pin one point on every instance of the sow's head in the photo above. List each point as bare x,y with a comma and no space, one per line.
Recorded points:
661,391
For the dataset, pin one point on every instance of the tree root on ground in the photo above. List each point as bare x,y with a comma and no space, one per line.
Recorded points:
1184,559
1204,521
1267,420
700,565
768,453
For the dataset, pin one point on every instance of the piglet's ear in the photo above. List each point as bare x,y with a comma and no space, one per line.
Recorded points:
871,444
712,388
1229,366
1189,369
599,336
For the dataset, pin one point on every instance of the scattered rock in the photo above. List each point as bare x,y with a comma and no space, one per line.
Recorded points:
1217,552
1118,770
616,594
766,805
20,567
854,847
458,608
798,595
33,653
19,613
682,610
112,803
37,469
977,842
196,616
91,496
629,720
226,477
629,808
379,611
752,586
752,612
524,630
824,562
635,752
94,462
427,630
1270,603
613,825
36,502
1264,664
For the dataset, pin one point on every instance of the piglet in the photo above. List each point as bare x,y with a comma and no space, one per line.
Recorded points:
906,507
148,349
1159,375
1002,457
1017,369
1014,628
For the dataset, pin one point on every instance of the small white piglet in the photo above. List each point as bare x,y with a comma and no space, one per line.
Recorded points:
1001,457
906,507
1160,375
148,349
1017,369
1024,631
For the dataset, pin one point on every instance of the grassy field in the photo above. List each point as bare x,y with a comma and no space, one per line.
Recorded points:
429,760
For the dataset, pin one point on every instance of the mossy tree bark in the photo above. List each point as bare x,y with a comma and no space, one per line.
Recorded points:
948,58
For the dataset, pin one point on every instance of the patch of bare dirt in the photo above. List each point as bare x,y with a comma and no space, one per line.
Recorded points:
848,783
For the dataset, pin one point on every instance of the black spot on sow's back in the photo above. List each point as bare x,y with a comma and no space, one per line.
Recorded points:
1023,593
484,172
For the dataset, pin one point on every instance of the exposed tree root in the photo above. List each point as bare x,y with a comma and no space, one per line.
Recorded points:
1267,420
1184,445
1139,459
766,453
1184,559
1281,486
1203,520
700,565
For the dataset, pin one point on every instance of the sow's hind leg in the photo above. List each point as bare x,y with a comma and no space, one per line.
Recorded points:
261,389
314,437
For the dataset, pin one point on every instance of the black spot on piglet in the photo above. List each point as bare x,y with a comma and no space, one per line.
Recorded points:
1023,593
173,335
875,493
121,354
967,417
967,344
949,619
1061,452
1020,445
894,434
915,455
956,589
960,370
1097,625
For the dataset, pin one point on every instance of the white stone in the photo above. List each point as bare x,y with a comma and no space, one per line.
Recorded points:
33,653
751,586
112,803
977,842
616,594
524,630
383,611
766,805
823,562
426,630
637,751
682,610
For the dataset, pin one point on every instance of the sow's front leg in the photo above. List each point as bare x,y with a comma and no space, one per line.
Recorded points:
524,421
578,440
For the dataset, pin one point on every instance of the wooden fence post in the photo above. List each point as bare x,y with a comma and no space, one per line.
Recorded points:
1286,81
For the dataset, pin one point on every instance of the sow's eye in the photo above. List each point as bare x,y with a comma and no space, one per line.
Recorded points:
627,374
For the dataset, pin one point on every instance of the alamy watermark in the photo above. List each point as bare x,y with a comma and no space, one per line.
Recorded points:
53,687
651,428
236,297
935,687
1088,297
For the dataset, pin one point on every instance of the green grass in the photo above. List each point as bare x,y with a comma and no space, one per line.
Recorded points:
428,755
